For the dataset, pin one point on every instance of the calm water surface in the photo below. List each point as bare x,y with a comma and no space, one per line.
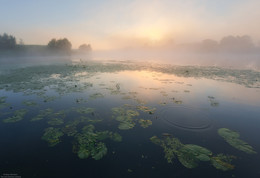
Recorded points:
124,119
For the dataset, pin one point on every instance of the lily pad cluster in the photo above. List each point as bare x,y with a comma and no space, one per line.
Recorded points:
190,155
232,138
46,113
145,123
88,142
125,117
17,116
52,136
84,110
146,109
96,95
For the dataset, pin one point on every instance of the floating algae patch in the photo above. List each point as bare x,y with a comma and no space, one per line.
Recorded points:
145,123
222,162
146,109
89,142
43,114
96,95
84,110
29,103
70,129
17,116
232,138
190,155
52,136
125,117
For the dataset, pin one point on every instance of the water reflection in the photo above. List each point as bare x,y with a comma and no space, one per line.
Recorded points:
89,105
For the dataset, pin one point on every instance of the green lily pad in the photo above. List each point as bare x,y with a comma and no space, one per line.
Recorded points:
125,117
232,138
116,137
52,136
155,140
126,125
222,162
83,153
70,129
145,123
18,116
99,152
190,155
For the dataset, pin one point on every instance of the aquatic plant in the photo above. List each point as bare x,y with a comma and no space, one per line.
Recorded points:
29,103
52,136
190,155
145,123
70,129
43,114
232,138
125,117
55,121
222,162
146,109
88,142
96,95
84,110
17,116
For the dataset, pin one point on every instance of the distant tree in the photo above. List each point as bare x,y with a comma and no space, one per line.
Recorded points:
209,45
241,43
61,44
7,41
85,48
52,44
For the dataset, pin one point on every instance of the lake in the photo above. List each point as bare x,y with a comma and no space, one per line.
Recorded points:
129,119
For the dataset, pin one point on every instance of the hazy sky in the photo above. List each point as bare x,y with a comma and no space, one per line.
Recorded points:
120,23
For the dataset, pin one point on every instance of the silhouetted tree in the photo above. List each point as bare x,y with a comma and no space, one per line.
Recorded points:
7,41
85,48
61,44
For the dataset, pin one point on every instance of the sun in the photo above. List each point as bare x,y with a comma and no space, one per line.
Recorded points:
154,35
151,34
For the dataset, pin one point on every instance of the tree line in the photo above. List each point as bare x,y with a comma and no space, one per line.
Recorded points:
8,42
